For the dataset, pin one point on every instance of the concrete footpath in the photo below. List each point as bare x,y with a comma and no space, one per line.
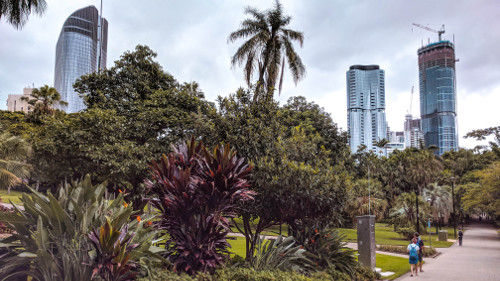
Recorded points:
478,259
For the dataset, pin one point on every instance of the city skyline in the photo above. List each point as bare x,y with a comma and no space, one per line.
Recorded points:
191,41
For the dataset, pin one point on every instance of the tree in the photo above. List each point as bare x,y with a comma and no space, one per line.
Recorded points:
381,144
314,119
484,196
481,134
269,45
43,101
13,153
440,201
17,12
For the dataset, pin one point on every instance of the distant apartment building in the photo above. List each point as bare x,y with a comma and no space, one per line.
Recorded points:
366,121
436,65
413,134
14,102
81,48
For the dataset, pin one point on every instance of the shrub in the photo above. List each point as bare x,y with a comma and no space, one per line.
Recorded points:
280,253
402,250
51,241
197,192
406,232
364,273
327,248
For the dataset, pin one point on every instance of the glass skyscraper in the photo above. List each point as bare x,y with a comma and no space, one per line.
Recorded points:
365,106
436,65
77,53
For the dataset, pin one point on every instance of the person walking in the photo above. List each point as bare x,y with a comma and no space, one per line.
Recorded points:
412,250
420,244
460,236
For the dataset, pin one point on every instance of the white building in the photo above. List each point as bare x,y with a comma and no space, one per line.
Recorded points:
14,102
365,106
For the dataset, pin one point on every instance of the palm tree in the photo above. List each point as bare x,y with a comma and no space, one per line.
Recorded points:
43,101
268,47
380,144
18,11
440,200
13,151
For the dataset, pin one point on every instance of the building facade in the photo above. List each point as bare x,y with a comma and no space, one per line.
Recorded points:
365,106
14,102
79,51
436,65
413,134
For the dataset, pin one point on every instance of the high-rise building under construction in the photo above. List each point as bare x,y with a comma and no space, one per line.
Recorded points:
436,65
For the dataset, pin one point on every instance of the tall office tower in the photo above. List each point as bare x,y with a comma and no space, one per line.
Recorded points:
413,132
365,106
436,65
78,51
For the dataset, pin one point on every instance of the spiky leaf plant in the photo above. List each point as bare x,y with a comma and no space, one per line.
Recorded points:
50,239
196,192
280,253
327,248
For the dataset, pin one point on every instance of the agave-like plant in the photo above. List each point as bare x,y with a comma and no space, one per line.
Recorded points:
327,248
281,253
196,192
50,234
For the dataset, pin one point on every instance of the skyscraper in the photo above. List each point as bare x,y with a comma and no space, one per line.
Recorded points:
77,53
413,132
436,65
365,105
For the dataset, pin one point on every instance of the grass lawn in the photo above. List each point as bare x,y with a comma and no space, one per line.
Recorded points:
13,196
394,264
385,235
238,247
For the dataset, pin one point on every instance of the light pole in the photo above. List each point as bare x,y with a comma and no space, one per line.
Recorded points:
453,204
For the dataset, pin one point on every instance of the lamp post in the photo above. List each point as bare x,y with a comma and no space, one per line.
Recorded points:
453,204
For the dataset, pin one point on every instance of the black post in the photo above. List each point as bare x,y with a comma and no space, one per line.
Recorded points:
416,202
453,203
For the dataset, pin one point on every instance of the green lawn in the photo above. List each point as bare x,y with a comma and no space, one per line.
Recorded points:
238,247
394,264
13,196
385,235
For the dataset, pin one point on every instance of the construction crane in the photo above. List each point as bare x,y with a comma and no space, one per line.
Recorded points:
439,32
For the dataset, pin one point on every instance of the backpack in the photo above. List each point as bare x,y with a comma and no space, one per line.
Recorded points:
420,244
413,252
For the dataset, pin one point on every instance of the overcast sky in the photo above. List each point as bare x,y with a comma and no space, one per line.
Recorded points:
190,37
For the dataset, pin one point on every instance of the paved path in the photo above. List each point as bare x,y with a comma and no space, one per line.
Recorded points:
477,260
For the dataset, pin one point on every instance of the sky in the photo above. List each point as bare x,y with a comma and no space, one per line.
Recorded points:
190,37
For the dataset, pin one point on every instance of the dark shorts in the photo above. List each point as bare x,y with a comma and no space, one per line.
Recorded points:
413,260
420,257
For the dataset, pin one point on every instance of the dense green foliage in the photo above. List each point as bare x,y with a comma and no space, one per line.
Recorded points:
196,192
13,151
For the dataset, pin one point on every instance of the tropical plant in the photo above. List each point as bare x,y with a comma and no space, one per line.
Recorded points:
3,227
366,197
440,201
13,153
196,192
43,101
404,215
280,253
269,44
50,236
113,246
327,248
17,12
